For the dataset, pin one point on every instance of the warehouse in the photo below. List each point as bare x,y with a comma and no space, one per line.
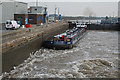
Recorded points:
119,11
0,12
9,8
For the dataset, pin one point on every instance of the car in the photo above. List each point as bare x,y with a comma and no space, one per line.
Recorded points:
12,24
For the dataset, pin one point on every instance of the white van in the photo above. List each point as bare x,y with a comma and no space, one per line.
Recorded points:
11,24
81,25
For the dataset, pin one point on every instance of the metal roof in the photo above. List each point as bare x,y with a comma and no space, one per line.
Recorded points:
36,6
12,1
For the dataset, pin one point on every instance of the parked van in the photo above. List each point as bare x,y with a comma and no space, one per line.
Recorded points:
12,24
81,25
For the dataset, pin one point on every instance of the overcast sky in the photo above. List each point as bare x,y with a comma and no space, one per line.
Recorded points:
71,0
83,8
80,7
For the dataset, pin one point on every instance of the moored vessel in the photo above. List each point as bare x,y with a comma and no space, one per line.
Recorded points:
67,39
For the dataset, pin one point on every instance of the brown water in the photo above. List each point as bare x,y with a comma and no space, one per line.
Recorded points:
95,55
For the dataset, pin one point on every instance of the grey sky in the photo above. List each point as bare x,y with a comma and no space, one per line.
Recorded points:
83,8
80,7
71,0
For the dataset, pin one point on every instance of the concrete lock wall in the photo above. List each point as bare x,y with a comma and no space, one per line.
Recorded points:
16,56
99,26
103,27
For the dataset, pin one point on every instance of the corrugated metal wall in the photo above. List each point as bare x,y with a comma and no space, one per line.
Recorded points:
0,13
7,11
9,8
119,11
20,8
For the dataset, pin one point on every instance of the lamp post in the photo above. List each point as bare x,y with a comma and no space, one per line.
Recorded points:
55,13
36,2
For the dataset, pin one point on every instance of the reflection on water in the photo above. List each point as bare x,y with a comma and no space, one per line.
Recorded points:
95,55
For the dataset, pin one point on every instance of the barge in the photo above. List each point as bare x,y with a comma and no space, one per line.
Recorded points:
67,39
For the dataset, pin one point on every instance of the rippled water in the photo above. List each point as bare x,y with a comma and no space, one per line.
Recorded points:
95,55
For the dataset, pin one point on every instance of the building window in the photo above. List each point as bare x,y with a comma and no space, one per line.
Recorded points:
30,18
35,9
19,18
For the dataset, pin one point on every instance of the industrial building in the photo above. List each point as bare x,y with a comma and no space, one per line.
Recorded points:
38,10
37,15
11,7
0,12
21,18
35,18
119,11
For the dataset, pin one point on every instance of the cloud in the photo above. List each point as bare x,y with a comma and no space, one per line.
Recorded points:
70,0
89,12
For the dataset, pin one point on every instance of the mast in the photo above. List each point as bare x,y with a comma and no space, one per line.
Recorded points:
55,13
36,2
58,12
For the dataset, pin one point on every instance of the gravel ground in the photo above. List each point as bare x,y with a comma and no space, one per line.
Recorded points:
94,56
